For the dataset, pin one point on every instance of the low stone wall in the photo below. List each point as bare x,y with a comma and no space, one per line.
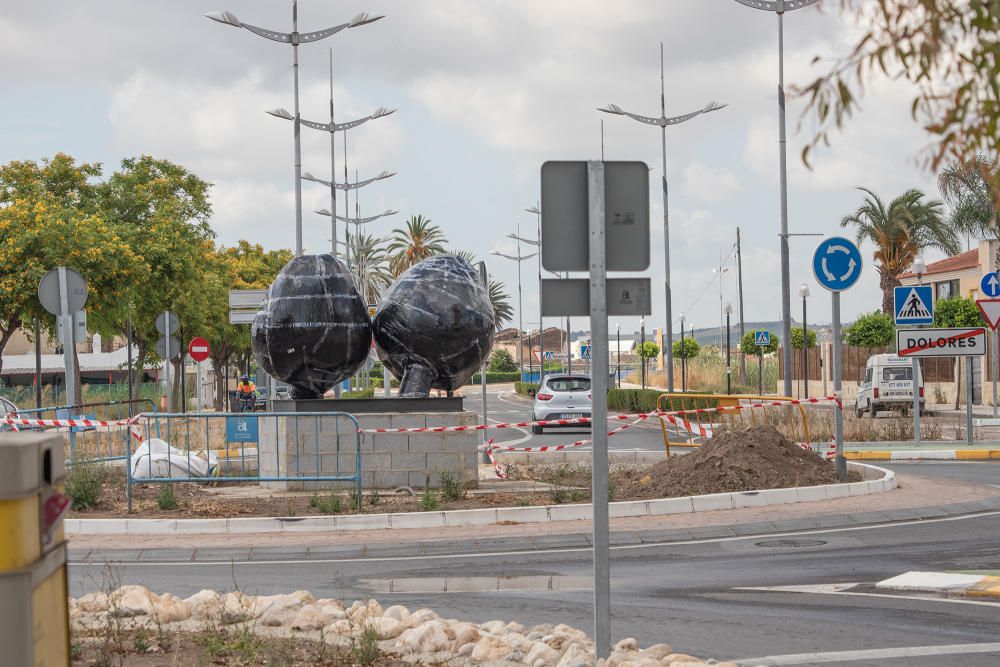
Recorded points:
307,446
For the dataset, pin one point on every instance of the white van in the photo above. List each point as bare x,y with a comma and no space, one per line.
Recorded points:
887,385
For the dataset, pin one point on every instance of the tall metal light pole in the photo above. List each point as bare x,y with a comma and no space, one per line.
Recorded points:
804,293
683,353
780,7
719,272
294,38
520,311
346,187
618,358
729,350
332,128
642,345
663,121
536,209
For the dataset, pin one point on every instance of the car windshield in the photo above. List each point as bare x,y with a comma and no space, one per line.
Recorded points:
568,384
897,373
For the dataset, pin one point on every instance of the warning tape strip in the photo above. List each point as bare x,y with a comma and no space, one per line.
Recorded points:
135,430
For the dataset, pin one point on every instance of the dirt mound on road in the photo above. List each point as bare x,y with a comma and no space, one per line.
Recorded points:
759,457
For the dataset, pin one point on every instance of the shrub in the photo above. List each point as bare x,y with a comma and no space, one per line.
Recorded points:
690,351
451,489
522,388
328,505
360,393
84,484
559,496
165,499
875,329
750,348
496,377
633,400
428,501
797,338
501,361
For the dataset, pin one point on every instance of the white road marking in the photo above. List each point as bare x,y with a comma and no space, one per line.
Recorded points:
872,654
523,552
844,589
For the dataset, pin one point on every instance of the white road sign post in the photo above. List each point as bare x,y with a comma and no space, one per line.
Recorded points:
969,342
63,292
167,347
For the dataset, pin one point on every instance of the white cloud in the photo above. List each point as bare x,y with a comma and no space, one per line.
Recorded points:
709,184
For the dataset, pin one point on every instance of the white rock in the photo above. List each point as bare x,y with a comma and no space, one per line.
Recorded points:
93,603
656,651
466,649
465,633
339,628
204,605
576,655
680,660
335,612
387,627
493,627
490,650
237,607
515,628
309,617
541,654
628,644
398,612
129,601
171,609
427,637
275,610
362,611
329,602
421,616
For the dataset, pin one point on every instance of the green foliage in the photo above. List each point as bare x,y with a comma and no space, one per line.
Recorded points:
523,388
503,311
957,312
689,350
328,505
971,188
875,329
496,378
84,484
797,338
428,501
366,651
415,242
649,349
749,348
378,383
502,361
165,499
633,400
451,488
360,393
559,496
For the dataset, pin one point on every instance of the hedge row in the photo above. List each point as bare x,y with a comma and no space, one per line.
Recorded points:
522,388
360,393
497,377
633,400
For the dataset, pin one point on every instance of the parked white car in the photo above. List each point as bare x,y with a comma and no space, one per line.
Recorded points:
561,396
887,385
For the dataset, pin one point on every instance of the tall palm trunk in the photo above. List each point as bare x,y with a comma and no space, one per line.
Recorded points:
887,283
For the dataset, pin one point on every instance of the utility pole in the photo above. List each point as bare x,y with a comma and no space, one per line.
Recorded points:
739,273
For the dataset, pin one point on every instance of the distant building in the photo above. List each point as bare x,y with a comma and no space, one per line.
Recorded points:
958,275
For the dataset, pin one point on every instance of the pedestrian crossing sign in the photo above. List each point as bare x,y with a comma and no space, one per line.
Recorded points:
913,304
762,338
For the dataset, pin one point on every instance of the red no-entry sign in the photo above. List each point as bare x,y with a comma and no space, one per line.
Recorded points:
198,349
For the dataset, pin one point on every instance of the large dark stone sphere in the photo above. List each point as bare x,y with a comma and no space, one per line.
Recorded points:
434,327
313,330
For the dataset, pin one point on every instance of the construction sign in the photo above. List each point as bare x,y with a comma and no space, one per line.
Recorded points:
941,342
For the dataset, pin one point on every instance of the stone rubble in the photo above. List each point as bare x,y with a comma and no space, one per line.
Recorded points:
419,637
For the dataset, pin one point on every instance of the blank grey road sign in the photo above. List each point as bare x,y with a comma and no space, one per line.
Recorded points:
175,348
48,291
565,210
167,323
246,298
242,316
625,296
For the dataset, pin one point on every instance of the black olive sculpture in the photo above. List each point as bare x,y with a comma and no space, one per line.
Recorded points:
313,330
434,326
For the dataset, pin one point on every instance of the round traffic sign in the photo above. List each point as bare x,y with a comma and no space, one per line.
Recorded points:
167,323
175,348
989,285
837,264
76,291
198,349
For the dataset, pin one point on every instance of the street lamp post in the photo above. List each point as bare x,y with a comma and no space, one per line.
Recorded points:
346,187
294,38
729,349
683,351
642,345
663,121
520,311
804,293
780,7
541,326
618,359
332,128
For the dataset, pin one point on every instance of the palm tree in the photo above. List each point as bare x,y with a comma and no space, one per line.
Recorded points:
971,190
416,242
370,263
503,312
900,232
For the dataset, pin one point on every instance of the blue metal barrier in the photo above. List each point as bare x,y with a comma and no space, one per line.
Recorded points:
298,452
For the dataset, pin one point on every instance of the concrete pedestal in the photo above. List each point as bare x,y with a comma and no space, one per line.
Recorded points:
310,445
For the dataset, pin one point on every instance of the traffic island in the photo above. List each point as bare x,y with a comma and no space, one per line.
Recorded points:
135,625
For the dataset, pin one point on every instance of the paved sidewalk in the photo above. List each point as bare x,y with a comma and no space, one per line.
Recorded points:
917,498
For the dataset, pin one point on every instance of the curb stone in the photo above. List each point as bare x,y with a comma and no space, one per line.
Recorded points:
876,480
581,540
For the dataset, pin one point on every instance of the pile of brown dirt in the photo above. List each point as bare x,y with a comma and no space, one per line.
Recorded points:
759,457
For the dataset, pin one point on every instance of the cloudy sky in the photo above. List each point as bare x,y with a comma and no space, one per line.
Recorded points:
487,90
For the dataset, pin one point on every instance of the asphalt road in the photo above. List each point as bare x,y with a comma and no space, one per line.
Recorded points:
980,473
710,598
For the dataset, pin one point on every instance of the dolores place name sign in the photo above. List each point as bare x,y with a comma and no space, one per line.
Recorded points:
970,342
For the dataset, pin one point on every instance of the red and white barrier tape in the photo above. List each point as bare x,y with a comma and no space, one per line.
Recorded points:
136,431
488,446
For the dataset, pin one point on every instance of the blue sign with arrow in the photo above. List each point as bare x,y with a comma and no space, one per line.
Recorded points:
990,285
837,264
913,304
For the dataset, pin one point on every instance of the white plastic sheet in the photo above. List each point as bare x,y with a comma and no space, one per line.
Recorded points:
156,459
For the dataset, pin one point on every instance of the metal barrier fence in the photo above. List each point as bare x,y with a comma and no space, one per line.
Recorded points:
93,444
727,411
280,449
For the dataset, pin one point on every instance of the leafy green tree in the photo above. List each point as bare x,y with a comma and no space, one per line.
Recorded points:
899,232
415,242
945,49
689,350
501,361
749,347
875,329
797,338
957,311
971,189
